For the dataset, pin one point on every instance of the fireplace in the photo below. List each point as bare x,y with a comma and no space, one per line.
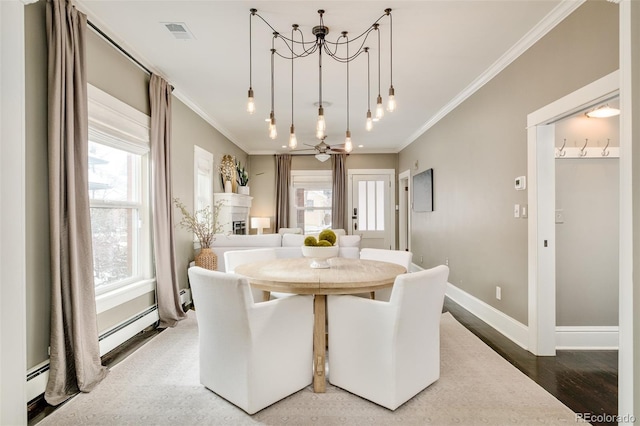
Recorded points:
239,227
233,216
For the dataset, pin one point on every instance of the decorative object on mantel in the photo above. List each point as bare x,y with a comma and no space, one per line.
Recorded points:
204,224
228,172
320,250
243,179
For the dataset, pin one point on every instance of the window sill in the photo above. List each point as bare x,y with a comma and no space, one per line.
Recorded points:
121,295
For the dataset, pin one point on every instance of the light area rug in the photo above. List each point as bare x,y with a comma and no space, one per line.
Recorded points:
159,385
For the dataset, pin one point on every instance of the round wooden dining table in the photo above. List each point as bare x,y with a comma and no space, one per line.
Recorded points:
344,276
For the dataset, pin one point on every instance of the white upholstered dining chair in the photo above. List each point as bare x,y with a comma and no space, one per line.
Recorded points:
251,354
387,352
234,258
399,257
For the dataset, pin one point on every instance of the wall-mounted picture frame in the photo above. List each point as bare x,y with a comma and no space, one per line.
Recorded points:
422,188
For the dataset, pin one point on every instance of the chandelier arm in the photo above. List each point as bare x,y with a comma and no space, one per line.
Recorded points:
378,31
390,47
296,55
306,51
359,51
364,33
345,36
366,50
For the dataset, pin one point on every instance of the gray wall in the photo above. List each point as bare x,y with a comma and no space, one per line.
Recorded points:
37,197
188,130
110,71
479,148
587,240
262,176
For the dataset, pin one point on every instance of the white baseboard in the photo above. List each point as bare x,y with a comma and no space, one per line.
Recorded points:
587,338
514,330
38,376
567,338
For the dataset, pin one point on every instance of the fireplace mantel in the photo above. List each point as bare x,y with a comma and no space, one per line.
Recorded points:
234,210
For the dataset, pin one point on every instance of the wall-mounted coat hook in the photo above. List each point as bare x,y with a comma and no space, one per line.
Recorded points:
582,150
561,152
605,153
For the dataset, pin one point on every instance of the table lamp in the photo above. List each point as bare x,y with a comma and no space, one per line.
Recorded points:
260,223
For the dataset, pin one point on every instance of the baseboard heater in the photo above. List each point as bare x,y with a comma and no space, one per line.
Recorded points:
38,376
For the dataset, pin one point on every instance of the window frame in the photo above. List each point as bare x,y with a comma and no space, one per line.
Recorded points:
117,125
319,176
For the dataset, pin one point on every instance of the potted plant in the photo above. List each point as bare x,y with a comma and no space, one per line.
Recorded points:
205,225
243,179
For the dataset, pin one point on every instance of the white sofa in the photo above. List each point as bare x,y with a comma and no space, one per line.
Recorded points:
286,245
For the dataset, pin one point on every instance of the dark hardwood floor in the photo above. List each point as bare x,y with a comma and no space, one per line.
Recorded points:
585,381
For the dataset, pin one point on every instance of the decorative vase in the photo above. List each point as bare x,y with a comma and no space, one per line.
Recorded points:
244,190
320,255
227,186
207,259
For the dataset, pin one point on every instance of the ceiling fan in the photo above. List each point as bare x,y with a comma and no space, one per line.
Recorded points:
323,150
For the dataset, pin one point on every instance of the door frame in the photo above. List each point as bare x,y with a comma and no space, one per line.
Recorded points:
13,305
541,199
404,216
390,211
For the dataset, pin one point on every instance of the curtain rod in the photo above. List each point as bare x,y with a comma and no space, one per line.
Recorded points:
117,46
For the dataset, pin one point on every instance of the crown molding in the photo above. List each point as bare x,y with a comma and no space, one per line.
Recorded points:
553,18
206,117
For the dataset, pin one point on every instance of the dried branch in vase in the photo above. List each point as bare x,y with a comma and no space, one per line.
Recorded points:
203,223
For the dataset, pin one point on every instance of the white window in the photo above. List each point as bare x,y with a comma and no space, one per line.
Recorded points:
311,200
118,192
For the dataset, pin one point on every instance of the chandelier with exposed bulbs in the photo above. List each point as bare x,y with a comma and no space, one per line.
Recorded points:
295,47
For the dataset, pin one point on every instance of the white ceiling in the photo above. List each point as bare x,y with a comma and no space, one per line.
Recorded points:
441,51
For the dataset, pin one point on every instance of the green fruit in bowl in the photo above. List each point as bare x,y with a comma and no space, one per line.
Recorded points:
324,243
310,241
328,235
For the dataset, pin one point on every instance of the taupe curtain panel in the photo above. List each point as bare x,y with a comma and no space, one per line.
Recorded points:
167,292
339,194
283,180
75,354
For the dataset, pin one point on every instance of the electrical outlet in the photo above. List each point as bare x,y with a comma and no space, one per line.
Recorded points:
559,216
446,261
516,210
498,293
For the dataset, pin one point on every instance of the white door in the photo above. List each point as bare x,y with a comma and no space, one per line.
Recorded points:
371,208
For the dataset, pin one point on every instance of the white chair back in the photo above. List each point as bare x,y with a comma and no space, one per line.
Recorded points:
235,258
251,354
290,231
399,257
399,339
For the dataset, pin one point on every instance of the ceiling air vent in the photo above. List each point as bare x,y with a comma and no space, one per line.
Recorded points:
179,30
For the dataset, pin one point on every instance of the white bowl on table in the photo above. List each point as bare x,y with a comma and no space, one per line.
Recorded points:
319,255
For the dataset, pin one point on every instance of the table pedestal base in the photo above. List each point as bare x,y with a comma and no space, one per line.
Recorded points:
319,343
